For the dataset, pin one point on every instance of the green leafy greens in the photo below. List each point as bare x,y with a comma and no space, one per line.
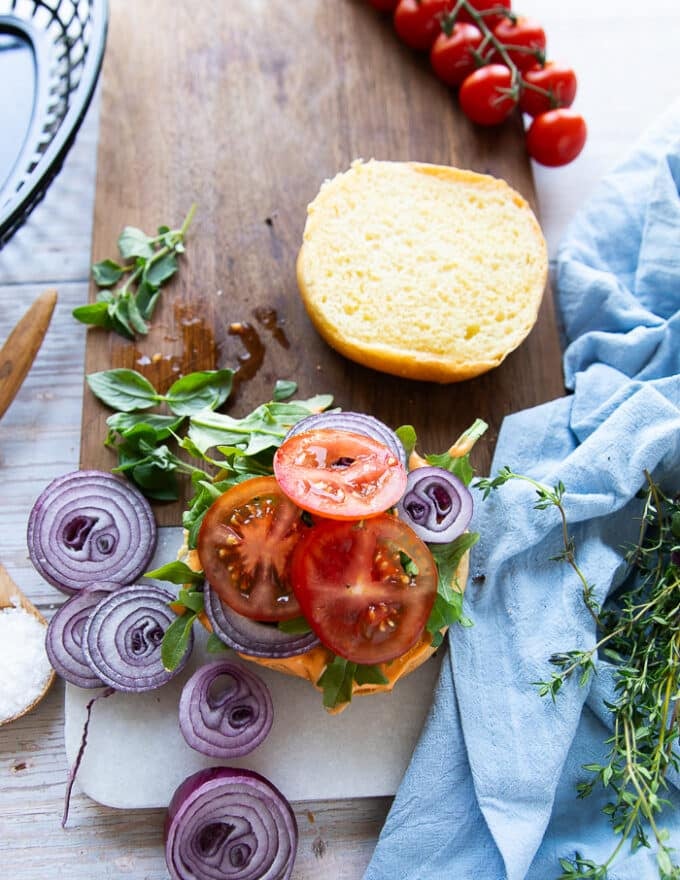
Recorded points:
147,262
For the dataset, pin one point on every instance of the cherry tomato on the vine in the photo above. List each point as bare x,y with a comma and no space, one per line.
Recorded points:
556,137
482,6
452,55
417,22
558,79
527,35
366,588
384,5
483,95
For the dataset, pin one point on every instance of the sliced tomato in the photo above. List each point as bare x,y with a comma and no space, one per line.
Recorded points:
366,588
245,544
339,474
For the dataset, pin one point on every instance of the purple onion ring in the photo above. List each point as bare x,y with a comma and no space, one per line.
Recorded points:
225,710
251,636
436,504
64,638
227,823
122,639
358,423
90,526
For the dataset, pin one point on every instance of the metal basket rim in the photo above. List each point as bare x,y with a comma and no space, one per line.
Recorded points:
51,160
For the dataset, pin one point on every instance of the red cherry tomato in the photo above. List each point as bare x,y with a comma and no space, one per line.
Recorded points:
558,79
452,55
366,588
417,22
384,5
339,474
556,137
482,98
244,545
526,34
483,6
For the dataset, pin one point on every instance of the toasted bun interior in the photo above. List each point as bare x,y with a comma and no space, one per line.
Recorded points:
424,271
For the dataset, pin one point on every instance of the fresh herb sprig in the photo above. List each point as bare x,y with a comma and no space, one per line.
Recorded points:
128,291
639,632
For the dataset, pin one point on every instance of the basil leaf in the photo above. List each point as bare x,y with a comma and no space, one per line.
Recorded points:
158,271
96,314
336,682
284,389
132,242
206,389
176,573
176,641
107,272
123,389
135,316
151,425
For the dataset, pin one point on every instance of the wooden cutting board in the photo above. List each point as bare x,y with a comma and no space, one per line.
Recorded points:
245,108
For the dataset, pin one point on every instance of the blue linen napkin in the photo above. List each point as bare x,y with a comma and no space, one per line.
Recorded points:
490,791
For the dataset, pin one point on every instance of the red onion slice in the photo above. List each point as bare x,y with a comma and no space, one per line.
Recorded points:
251,636
358,423
436,504
122,639
227,823
64,637
90,526
225,711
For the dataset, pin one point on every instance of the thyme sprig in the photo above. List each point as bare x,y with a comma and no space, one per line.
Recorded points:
639,633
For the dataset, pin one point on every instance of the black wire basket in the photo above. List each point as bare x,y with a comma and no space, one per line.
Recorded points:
60,47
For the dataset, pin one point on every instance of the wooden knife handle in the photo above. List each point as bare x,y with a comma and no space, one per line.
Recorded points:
22,345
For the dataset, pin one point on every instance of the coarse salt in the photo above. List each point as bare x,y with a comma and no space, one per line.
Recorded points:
24,665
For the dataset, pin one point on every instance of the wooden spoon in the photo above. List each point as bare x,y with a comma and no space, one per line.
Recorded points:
10,597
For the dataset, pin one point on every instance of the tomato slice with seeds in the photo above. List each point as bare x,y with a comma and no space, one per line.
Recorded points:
245,544
366,588
339,474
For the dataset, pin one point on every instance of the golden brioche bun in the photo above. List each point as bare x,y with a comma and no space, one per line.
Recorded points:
423,271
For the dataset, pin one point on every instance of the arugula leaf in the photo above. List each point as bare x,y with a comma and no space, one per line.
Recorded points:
448,603
123,389
338,677
407,435
176,641
176,573
296,626
214,645
336,682
457,458
364,674
191,599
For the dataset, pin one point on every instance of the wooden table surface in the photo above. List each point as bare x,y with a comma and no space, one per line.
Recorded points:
625,56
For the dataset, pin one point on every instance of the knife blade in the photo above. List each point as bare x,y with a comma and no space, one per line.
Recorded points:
22,345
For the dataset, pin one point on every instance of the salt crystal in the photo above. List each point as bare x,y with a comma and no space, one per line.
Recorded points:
24,665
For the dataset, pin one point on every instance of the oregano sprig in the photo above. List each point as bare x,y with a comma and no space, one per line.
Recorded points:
128,288
639,633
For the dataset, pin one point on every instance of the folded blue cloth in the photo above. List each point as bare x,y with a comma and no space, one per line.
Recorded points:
490,793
